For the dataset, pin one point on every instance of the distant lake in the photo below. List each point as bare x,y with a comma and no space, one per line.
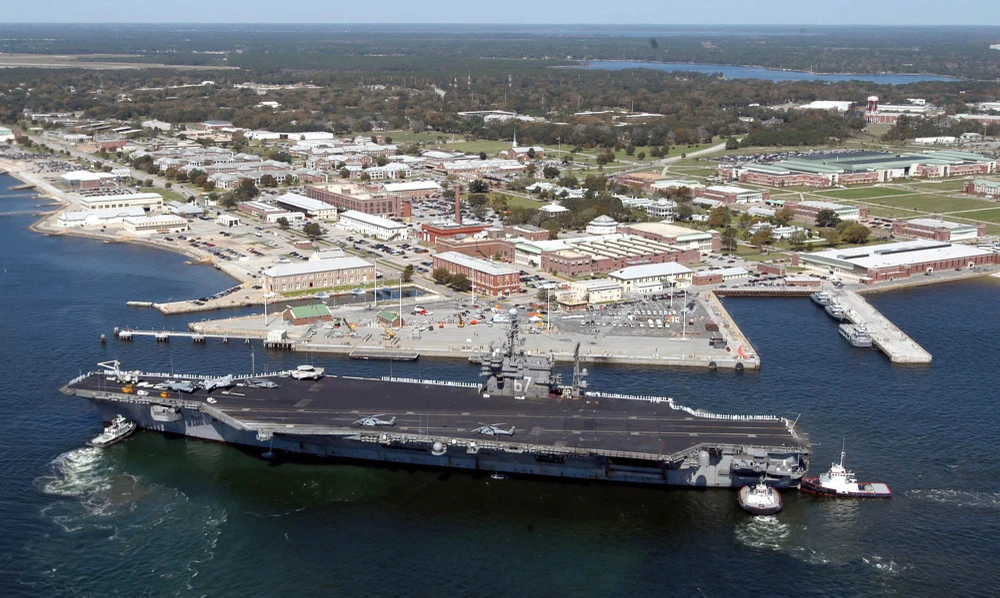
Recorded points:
754,72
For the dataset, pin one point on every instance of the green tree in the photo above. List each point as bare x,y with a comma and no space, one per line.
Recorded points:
732,144
312,230
761,238
531,153
797,240
441,276
344,173
827,218
407,274
719,217
479,186
381,160
855,232
283,223
568,180
641,156
729,239
684,210
268,180
482,155
247,190
831,236
550,172
783,216
461,283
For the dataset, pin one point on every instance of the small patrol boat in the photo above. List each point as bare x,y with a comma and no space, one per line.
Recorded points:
119,429
836,312
856,335
760,499
840,482
821,298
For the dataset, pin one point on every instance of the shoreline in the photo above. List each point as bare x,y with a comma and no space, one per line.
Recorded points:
583,63
44,226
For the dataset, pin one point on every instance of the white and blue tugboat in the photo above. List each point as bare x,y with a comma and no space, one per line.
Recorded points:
760,499
119,429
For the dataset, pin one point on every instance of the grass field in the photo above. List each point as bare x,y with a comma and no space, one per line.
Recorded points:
933,203
941,186
863,192
514,201
166,194
985,215
878,212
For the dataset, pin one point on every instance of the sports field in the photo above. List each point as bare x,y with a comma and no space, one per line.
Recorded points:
931,203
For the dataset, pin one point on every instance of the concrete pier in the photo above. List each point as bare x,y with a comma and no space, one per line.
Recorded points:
895,343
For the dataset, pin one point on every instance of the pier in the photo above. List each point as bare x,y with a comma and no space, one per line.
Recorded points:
895,343
164,336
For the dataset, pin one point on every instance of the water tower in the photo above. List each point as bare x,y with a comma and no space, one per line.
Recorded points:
872,103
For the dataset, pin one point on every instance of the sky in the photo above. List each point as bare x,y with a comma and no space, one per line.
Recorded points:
644,12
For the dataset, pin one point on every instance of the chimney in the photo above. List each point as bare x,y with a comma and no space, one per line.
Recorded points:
458,204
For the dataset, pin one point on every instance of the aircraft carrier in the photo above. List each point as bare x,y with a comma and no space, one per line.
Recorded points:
522,421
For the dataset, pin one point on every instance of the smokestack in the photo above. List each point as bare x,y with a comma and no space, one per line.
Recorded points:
458,204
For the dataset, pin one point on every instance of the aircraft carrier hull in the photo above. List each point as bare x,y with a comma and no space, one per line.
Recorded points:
433,433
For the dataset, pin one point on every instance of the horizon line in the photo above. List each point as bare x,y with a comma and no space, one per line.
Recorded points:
504,24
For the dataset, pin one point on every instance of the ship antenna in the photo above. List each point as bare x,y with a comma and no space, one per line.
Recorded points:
843,452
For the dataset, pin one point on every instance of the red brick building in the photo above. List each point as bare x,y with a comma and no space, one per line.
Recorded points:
361,198
431,233
527,231
487,276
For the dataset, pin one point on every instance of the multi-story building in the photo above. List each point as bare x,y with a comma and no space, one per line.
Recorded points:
486,276
874,263
729,194
322,274
313,208
151,202
678,236
149,225
373,226
652,278
983,188
938,230
810,209
365,199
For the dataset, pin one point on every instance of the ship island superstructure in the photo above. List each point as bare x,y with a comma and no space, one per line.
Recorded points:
522,421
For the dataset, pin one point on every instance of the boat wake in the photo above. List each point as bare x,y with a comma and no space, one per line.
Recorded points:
94,502
958,498
764,532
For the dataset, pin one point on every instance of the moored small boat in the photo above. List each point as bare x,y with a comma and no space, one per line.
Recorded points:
760,499
836,312
856,335
119,429
821,298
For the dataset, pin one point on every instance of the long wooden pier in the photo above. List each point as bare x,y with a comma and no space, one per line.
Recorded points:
895,343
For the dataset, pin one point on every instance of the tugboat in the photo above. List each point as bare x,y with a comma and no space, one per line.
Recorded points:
840,482
760,499
836,312
119,429
856,335
822,298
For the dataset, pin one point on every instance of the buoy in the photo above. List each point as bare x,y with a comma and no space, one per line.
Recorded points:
104,340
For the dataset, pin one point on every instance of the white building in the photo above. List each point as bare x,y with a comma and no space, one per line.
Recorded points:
373,226
553,208
827,105
652,278
602,225
86,179
313,208
662,209
421,188
227,220
97,217
597,291
150,225
6,135
150,202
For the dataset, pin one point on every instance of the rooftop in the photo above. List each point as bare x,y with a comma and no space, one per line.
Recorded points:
938,223
304,203
371,219
651,271
476,264
342,263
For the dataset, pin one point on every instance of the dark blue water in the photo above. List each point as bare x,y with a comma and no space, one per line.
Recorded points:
754,72
159,516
